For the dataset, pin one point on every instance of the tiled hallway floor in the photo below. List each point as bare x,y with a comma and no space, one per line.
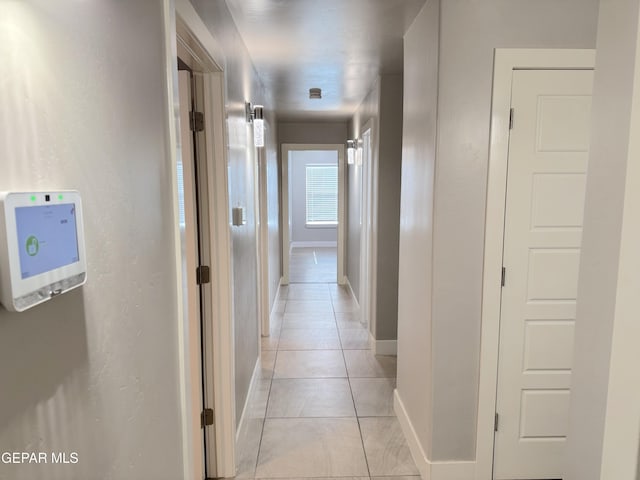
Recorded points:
323,406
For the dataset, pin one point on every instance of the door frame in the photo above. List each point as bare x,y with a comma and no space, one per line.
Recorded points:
193,38
505,62
368,230
293,147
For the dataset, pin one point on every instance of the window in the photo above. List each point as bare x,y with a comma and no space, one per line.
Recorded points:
322,194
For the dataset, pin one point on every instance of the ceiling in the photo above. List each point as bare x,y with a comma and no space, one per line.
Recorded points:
340,46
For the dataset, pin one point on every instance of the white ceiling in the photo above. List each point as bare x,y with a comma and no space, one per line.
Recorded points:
337,45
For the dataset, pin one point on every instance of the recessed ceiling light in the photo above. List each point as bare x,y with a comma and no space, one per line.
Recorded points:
315,93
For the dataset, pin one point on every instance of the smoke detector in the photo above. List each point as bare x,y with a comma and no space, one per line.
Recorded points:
315,93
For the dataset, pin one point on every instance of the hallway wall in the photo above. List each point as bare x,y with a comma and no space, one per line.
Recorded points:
450,322
243,84
96,370
383,106
600,263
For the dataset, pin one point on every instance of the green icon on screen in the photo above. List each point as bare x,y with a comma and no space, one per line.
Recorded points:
33,246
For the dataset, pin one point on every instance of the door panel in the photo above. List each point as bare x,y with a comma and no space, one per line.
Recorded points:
548,150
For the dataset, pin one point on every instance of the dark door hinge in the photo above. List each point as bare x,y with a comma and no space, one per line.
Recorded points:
504,275
495,424
511,119
196,121
206,417
203,275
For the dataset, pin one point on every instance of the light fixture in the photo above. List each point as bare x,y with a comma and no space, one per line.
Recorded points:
351,152
255,115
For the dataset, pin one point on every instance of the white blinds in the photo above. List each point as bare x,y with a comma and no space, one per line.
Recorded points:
322,194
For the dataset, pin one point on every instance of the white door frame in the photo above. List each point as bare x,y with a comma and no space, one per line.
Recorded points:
292,147
368,230
505,62
195,39
262,234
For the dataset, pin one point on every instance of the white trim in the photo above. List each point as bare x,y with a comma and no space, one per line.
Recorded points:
252,387
274,306
347,284
328,244
429,470
286,241
171,78
506,60
383,347
222,339
218,329
418,454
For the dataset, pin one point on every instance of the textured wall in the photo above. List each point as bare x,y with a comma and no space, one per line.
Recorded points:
83,105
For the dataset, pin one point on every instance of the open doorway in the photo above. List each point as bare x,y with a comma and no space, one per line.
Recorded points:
313,212
206,329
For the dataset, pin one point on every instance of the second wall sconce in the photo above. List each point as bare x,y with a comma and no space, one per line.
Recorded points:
351,152
255,115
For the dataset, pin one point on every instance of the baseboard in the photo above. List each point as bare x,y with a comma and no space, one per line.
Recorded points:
252,387
312,244
418,454
461,470
383,347
276,300
347,284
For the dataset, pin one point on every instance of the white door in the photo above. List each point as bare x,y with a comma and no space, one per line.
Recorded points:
548,150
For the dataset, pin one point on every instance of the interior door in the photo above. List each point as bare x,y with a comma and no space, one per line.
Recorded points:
548,150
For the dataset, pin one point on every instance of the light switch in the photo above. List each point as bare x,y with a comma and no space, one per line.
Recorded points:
237,216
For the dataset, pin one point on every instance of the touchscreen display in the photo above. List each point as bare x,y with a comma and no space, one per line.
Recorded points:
47,237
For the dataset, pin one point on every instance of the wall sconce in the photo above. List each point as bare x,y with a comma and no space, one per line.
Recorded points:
351,152
255,115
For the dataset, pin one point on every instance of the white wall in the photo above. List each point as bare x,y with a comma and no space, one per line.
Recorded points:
83,105
299,160
616,70
414,383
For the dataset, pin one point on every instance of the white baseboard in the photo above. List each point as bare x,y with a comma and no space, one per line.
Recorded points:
347,284
274,307
462,470
418,454
252,387
312,244
383,347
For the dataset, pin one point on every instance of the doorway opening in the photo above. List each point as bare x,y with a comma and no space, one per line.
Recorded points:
205,320
313,212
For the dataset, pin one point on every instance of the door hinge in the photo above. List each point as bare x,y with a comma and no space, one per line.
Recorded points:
504,276
206,417
196,121
511,119
495,424
203,275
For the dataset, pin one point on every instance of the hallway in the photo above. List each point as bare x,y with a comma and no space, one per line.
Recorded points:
323,403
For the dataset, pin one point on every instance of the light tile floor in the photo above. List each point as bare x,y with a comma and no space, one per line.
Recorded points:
311,265
323,405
